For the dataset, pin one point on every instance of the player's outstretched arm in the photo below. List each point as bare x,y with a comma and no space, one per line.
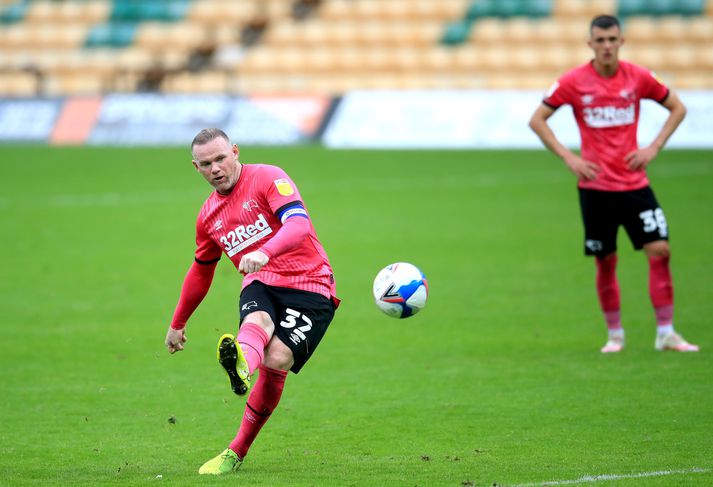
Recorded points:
584,170
195,287
640,158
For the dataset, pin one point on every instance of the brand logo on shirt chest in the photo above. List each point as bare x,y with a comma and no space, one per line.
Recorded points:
609,116
243,236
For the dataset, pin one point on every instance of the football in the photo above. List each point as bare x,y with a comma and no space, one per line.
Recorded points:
400,290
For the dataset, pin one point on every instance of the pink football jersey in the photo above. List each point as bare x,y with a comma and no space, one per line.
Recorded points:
607,113
244,220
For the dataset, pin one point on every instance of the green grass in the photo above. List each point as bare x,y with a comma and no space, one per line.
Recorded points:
498,381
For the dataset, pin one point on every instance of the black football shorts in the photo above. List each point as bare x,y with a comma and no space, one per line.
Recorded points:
604,211
301,317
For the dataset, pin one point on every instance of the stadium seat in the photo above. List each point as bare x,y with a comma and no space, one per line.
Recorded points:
345,43
144,10
629,8
68,12
640,29
465,59
583,8
204,82
488,31
692,79
18,83
13,13
456,32
649,55
563,32
76,83
212,12
15,35
700,29
509,8
439,59
159,36
672,28
112,34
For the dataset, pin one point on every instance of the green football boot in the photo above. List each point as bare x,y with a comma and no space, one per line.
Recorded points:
226,462
231,358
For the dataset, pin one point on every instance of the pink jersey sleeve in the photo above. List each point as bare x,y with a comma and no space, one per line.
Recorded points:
195,286
206,249
559,93
651,87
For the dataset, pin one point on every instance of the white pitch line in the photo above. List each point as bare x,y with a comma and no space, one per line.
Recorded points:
606,477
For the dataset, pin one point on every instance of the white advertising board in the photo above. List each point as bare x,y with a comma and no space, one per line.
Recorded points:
485,119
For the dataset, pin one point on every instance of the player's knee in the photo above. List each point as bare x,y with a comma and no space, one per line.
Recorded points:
278,355
658,249
261,319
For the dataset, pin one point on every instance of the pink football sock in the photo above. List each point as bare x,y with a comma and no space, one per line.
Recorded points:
661,289
261,403
608,291
253,340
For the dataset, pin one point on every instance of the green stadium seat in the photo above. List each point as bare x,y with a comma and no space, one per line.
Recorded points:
13,13
690,7
509,8
539,8
126,16
628,8
150,10
456,32
112,34
659,8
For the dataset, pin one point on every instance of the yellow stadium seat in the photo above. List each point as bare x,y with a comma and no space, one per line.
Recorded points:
700,29
18,83
519,30
640,30
488,31
672,28
583,8
349,59
438,58
73,84
678,57
213,12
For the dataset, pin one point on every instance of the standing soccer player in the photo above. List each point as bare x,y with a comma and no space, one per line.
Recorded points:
257,218
613,187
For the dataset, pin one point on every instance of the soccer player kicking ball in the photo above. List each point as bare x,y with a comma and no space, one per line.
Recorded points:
257,218
613,188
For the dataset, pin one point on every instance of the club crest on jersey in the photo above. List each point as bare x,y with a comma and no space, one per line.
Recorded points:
249,205
284,187
248,305
627,95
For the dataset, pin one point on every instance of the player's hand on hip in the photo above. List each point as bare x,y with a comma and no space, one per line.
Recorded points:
175,340
584,170
252,262
640,158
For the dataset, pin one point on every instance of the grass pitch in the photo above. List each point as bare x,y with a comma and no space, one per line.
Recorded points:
498,381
